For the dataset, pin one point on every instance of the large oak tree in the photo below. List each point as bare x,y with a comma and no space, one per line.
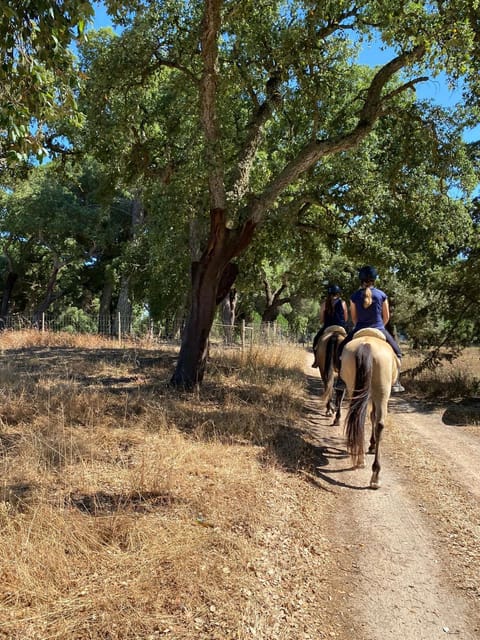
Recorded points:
241,101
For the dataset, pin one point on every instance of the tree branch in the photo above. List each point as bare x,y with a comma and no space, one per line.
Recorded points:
208,94
254,137
268,291
404,87
336,24
171,64
312,152
373,101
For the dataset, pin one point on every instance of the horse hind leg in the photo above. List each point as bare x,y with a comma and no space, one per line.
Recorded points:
330,407
374,480
373,418
339,395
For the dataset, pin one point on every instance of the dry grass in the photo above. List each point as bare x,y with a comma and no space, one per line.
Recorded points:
128,510
453,380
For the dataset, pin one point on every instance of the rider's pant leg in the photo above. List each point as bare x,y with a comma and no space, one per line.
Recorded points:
392,343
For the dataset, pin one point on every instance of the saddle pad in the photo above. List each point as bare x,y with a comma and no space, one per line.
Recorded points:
335,328
373,333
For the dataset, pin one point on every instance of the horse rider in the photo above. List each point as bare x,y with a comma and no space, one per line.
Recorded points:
332,312
369,308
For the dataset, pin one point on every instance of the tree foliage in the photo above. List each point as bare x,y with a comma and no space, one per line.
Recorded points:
37,72
60,239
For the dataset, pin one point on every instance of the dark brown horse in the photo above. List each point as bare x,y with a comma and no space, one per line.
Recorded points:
369,367
325,355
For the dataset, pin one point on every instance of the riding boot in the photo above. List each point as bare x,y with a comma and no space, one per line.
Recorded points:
397,386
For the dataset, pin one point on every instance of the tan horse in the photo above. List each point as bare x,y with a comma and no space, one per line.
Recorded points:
325,356
369,367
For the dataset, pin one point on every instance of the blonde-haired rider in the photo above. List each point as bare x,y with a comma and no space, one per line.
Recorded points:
369,308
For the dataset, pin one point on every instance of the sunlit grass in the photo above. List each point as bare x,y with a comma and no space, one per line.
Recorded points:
127,509
459,378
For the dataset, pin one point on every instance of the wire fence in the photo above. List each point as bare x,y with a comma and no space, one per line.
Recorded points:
122,326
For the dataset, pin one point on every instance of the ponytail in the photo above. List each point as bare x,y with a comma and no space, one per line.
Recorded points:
329,303
367,294
367,297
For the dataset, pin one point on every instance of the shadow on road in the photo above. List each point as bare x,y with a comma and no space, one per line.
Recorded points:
316,448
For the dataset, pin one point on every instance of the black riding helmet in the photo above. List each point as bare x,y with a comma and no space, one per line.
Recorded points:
367,273
333,288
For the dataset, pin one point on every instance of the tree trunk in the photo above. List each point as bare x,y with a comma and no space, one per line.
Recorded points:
124,308
212,278
7,294
105,310
273,302
229,306
50,296
270,314
193,355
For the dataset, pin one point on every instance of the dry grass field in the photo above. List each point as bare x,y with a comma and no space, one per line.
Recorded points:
454,385
129,510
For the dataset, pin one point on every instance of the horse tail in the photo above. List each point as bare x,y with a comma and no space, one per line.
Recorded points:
329,369
355,422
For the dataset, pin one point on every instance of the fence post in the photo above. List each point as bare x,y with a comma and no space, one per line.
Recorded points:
119,328
243,334
43,322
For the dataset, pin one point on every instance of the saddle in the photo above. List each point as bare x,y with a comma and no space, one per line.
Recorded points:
373,333
334,328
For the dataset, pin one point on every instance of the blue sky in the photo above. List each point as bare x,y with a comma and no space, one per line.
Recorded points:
101,19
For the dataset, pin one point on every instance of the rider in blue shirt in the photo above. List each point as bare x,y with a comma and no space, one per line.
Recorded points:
369,308
332,312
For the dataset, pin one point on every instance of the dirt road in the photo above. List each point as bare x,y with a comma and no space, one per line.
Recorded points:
407,556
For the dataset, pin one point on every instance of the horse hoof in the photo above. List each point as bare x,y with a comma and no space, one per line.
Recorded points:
374,485
371,450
